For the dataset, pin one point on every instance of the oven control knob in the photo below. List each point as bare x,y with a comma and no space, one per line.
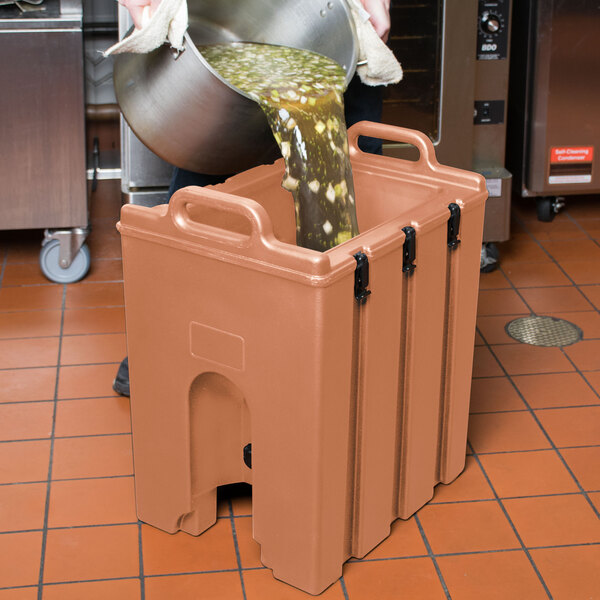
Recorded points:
490,23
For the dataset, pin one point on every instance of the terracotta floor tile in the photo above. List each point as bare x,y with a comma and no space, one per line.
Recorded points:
523,359
24,593
26,385
32,323
27,420
501,302
21,462
573,250
242,505
99,348
22,507
582,271
521,251
87,381
249,549
594,380
572,426
30,352
555,299
92,502
588,321
37,297
213,586
405,540
585,464
105,270
20,564
505,432
95,416
182,553
121,589
493,281
105,245
528,474
261,585
554,520
94,320
485,364
556,231
555,390
493,576
23,274
595,498
493,329
492,394
584,354
469,485
82,295
467,527
102,456
570,573
533,275
24,246
592,293
416,577
91,553
478,339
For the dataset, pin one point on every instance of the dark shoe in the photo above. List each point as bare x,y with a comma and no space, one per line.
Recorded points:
121,382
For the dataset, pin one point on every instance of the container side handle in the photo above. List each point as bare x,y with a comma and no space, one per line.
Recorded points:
220,219
394,134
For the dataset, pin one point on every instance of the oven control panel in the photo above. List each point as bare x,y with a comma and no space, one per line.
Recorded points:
492,30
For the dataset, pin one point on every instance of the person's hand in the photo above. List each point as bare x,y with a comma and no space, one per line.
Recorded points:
380,16
136,9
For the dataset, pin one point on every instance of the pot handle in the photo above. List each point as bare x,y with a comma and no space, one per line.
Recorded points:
394,134
221,219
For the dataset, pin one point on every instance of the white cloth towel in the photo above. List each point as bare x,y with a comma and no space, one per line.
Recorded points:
168,23
377,63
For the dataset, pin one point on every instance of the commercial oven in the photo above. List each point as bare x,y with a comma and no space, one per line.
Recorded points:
455,59
42,146
554,123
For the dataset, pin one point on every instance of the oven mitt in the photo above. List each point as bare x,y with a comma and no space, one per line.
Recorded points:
377,64
168,23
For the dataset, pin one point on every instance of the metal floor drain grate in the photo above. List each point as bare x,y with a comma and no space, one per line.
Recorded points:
544,331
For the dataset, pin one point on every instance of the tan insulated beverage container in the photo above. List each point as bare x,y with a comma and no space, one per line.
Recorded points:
345,375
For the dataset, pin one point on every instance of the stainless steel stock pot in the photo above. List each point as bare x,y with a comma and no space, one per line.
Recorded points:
192,118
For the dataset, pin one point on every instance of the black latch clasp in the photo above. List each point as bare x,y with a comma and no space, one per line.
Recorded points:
409,249
453,225
361,277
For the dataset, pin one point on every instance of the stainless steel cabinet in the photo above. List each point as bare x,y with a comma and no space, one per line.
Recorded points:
42,141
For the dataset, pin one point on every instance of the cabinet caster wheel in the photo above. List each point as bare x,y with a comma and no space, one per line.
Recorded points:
547,208
489,257
50,264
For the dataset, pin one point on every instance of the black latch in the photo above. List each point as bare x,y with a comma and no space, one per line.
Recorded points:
361,277
453,225
248,455
409,249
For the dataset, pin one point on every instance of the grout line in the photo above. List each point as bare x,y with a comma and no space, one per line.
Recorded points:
141,559
237,548
541,408
51,454
97,364
510,521
65,437
432,556
344,590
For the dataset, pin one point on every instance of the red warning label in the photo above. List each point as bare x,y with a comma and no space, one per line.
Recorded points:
574,154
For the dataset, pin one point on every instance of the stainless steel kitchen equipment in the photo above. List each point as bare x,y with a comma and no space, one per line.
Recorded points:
42,146
192,117
554,123
455,58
